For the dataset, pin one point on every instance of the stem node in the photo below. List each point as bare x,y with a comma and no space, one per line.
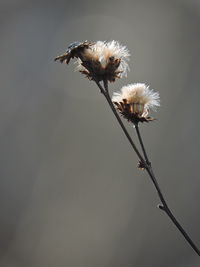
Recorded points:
161,207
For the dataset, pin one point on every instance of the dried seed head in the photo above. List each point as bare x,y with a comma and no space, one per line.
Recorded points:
134,102
104,61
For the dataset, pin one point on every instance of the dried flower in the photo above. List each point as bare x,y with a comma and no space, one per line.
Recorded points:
99,60
104,61
134,102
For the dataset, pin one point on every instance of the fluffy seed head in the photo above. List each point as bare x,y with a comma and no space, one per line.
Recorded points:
135,100
105,60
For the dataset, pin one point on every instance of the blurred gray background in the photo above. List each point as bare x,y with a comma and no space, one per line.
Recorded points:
70,192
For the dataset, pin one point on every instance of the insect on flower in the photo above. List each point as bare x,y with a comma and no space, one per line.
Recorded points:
99,61
73,50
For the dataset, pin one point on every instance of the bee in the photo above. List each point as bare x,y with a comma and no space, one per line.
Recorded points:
73,50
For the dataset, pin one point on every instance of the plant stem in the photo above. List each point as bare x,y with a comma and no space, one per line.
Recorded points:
141,143
107,96
164,205
146,164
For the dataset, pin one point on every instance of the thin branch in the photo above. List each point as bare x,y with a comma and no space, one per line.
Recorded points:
141,143
164,205
106,94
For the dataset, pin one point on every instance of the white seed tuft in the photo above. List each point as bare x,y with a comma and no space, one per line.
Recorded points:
138,93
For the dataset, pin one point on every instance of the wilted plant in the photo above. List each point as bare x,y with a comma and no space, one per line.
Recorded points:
104,62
